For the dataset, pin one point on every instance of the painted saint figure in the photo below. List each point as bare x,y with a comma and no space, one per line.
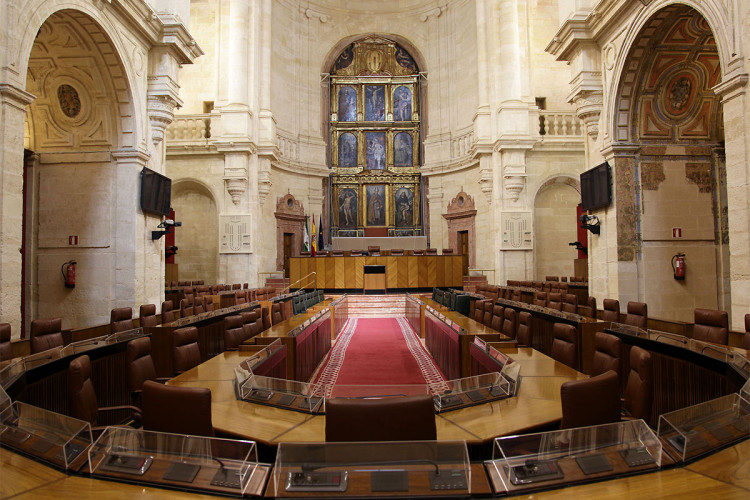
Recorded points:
402,104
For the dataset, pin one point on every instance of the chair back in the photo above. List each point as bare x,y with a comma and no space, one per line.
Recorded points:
447,251
276,313
81,394
234,334
177,410
540,299
147,315
611,310
409,418
509,323
606,353
570,303
397,251
637,398
523,338
46,334
6,349
555,301
430,251
711,326
564,344
167,313
746,340
121,319
592,401
498,314
140,363
637,315
185,351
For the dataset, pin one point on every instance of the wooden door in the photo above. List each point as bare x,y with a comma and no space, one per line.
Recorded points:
463,249
287,252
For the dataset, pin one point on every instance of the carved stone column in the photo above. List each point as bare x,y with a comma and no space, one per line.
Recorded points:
589,110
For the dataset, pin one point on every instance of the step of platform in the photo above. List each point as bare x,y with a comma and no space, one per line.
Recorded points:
470,282
376,306
277,284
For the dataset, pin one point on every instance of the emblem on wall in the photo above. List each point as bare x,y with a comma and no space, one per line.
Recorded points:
235,234
517,231
70,102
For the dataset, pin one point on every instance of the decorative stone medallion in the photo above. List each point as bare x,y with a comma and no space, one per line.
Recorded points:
70,102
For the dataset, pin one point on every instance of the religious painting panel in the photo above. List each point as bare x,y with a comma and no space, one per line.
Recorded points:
402,104
347,150
403,203
347,213
402,150
347,104
375,196
375,150
374,103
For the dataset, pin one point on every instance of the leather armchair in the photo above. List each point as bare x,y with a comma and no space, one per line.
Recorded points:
186,308
397,251
509,323
540,299
82,396
430,251
373,250
638,390
234,334
551,278
140,367
447,251
6,350
121,319
570,303
592,401
611,311
147,315
564,344
409,418
177,410
555,301
711,326
498,315
637,315
167,313
523,338
185,351
266,318
46,334
488,310
606,353
276,313
479,310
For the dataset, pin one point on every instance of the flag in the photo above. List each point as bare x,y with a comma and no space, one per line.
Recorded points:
306,239
320,234
314,240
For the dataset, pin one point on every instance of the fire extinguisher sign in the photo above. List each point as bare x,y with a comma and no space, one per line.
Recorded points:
676,232
72,240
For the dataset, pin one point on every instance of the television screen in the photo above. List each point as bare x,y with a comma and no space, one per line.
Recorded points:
596,187
156,192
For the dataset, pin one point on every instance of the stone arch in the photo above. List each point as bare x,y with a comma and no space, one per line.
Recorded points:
196,206
407,44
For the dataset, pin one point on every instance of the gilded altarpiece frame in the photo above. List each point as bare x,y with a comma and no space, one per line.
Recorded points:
375,139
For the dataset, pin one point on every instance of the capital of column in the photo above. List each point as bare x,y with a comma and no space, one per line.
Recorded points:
17,97
236,187
589,109
161,114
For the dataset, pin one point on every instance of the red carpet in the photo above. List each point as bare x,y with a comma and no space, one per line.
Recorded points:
378,352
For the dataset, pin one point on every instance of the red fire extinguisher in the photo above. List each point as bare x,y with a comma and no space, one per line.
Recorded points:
678,266
69,273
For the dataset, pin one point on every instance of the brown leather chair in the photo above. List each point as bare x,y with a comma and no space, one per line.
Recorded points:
430,251
637,315
82,396
606,353
140,367
638,389
6,350
479,310
202,290
234,334
337,253
147,315
186,308
397,251
305,254
266,318
177,410
46,334
121,319
611,310
589,310
410,418
208,303
554,301
185,351
167,313
498,314
447,251
711,326
276,313
198,305
517,294
356,253
418,252
523,338
236,286
540,299
570,303
373,250
488,310
551,278
509,323
564,344
592,401
746,340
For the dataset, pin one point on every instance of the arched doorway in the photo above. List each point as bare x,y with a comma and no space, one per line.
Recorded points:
555,227
669,168
79,135
197,255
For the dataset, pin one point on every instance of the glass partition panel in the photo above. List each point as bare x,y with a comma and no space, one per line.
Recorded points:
194,463
374,391
668,338
463,392
628,329
84,345
745,391
284,393
47,436
11,372
41,358
4,400
405,469
548,459
125,336
700,429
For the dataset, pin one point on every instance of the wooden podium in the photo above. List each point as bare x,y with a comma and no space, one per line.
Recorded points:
374,278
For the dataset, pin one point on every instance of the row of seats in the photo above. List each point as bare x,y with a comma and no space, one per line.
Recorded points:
375,251
240,327
573,279
302,302
452,299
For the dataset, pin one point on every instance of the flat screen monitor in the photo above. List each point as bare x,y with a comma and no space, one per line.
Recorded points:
596,187
156,192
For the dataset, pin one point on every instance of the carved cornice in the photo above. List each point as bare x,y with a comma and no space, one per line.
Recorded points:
289,208
732,87
161,114
460,207
18,97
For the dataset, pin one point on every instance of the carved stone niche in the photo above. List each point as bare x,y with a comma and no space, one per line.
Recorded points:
290,218
461,216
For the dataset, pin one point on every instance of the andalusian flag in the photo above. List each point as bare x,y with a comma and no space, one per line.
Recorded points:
314,239
306,239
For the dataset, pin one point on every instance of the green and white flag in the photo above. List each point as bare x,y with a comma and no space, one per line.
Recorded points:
306,239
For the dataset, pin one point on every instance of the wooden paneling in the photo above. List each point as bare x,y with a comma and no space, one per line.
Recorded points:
339,277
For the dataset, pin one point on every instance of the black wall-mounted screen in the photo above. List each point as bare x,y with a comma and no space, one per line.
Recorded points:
596,187
156,192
